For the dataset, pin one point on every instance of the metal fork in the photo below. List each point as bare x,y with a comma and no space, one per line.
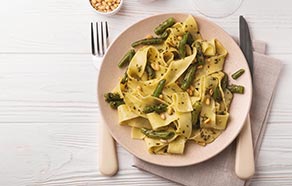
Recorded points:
99,41
108,161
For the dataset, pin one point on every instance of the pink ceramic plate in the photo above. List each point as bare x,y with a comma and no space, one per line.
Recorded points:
194,153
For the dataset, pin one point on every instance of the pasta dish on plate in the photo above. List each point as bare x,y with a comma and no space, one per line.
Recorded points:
174,89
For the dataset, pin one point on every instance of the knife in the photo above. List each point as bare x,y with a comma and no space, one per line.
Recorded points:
244,156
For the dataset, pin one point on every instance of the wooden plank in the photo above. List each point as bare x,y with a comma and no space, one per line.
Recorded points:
66,154
56,26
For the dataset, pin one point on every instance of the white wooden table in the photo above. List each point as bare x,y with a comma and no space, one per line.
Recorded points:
49,117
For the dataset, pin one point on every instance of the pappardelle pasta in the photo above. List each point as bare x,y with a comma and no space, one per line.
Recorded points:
174,88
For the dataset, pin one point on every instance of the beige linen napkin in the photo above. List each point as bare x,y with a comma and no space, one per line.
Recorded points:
219,171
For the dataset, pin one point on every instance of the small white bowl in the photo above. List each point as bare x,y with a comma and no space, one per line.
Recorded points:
108,13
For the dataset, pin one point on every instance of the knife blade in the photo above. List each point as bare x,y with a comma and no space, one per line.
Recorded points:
245,42
244,156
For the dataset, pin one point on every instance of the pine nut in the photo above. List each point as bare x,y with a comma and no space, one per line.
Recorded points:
163,141
192,87
162,116
200,67
207,121
169,110
207,101
105,5
190,92
149,36
157,67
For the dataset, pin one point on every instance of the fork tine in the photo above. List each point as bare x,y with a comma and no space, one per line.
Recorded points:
100,43
106,30
92,40
97,39
102,39
106,34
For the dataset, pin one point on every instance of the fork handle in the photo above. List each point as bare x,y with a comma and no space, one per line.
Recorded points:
108,162
244,157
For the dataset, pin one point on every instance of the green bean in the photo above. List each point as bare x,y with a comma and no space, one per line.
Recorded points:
189,77
197,107
165,135
164,25
112,97
148,41
180,80
200,55
150,72
236,89
224,82
190,39
182,45
115,104
164,35
127,58
125,78
160,108
114,100
237,74
217,94
159,88
186,39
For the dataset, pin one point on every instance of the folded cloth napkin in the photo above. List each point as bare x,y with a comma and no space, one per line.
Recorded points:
219,171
